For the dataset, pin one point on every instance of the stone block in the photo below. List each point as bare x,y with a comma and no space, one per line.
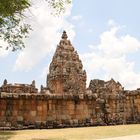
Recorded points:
39,108
19,118
33,113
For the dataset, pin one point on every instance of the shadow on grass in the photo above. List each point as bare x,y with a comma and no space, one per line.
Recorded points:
5,135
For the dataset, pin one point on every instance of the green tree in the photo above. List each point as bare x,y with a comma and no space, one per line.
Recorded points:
58,6
13,28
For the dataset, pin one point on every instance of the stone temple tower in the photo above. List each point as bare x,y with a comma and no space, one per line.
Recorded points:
66,74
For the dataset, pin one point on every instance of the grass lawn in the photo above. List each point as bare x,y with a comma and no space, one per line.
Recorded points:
86,133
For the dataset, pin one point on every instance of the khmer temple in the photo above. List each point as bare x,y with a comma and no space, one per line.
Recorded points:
65,101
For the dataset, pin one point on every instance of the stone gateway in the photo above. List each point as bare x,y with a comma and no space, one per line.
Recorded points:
65,101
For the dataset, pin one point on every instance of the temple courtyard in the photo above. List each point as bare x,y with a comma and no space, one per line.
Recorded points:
120,132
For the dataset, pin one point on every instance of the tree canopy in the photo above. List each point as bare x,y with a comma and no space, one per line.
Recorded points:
13,28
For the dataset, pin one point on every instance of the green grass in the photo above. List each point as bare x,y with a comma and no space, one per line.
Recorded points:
85,133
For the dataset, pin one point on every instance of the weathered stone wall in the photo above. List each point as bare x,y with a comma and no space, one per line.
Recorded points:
65,101
46,111
56,111
116,106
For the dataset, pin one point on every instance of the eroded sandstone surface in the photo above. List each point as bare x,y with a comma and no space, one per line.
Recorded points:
65,101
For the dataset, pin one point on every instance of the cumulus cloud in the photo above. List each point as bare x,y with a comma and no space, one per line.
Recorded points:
109,59
111,43
45,34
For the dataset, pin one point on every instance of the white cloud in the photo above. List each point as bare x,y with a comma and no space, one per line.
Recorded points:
45,34
111,43
77,17
3,51
110,58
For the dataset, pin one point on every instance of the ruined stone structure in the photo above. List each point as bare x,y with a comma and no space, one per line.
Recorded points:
18,88
66,74
65,101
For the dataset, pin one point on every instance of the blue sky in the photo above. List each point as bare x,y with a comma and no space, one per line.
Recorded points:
104,32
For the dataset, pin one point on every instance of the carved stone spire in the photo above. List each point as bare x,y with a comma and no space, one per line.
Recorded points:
64,35
66,74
